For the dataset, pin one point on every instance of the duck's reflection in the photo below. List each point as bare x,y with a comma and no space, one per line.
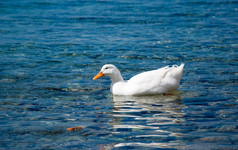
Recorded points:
148,117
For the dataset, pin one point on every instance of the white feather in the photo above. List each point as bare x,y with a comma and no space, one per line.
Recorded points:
158,81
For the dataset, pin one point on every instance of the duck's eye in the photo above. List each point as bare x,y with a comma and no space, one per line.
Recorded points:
106,68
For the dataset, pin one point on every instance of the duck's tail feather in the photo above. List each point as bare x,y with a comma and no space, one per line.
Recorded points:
176,71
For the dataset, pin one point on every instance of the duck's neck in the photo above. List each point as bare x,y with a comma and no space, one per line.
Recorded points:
116,77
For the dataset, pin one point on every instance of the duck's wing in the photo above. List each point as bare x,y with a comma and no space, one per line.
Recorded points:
156,81
149,76
149,82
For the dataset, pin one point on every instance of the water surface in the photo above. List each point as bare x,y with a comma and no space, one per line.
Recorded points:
50,51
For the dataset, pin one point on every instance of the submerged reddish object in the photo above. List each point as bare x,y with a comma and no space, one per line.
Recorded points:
74,128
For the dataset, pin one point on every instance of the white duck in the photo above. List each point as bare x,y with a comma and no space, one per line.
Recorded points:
163,80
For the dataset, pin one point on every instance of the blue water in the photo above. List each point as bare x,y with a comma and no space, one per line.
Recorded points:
51,49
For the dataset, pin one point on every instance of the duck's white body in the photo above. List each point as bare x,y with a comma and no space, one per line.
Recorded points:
158,81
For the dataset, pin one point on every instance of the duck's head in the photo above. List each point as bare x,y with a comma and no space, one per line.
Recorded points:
110,71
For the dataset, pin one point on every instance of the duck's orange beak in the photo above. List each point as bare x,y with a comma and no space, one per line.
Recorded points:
99,75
